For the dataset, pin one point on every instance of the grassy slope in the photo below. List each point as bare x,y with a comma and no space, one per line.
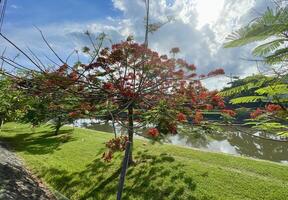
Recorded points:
71,163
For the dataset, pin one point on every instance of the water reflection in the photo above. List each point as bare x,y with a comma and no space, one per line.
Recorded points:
232,141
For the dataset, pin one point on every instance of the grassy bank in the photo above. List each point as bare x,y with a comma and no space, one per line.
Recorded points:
71,163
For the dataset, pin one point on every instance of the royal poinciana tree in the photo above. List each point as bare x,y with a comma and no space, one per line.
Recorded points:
129,84
137,87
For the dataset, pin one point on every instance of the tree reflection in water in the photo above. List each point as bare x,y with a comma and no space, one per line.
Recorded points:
230,141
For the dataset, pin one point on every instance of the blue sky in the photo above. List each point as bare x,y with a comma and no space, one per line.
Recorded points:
39,12
199,28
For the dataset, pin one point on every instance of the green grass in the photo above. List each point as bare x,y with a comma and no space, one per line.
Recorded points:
71,163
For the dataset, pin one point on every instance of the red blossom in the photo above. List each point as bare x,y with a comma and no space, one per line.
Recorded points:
74,76
209,107
203,95
108,86
273,108
216,98
153,132
229,112
216,72
221,104
74,114
198,117
181,117
256,113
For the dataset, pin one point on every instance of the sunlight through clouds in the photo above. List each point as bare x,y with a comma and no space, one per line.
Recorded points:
208,11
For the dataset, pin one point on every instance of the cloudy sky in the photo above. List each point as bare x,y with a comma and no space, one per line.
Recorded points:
199,28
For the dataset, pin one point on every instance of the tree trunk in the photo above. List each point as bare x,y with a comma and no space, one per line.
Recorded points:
58,125
130,133
1,124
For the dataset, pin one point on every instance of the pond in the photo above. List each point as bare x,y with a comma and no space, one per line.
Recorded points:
234,140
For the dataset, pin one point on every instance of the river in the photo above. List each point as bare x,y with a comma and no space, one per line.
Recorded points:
234,140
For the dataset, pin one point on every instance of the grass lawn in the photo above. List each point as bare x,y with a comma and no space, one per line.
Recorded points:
71,163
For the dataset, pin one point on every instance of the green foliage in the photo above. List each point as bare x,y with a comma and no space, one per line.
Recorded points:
247,99
47,102
268,90
11,101
161,117
277,89
272,25
244,86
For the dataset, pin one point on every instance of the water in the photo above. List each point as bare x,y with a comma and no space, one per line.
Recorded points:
235,140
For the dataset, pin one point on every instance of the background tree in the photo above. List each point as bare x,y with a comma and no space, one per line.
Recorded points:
11,101
271,27
49,97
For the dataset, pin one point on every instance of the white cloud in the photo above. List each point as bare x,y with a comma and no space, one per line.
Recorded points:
208,11
198,29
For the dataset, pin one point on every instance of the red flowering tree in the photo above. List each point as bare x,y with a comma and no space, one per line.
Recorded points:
137,88
130,84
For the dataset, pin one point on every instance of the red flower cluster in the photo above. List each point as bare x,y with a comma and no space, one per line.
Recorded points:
115,144
221,104
198,117
74,114
273,108
217,100
209,107
181,117
229,112
256,113
108,86
216,72
74,76
153,132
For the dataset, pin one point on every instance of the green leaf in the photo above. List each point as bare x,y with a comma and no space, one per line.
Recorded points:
247,99
266,48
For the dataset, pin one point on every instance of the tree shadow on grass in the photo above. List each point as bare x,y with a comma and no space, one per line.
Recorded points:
153,177
158,177
42,142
